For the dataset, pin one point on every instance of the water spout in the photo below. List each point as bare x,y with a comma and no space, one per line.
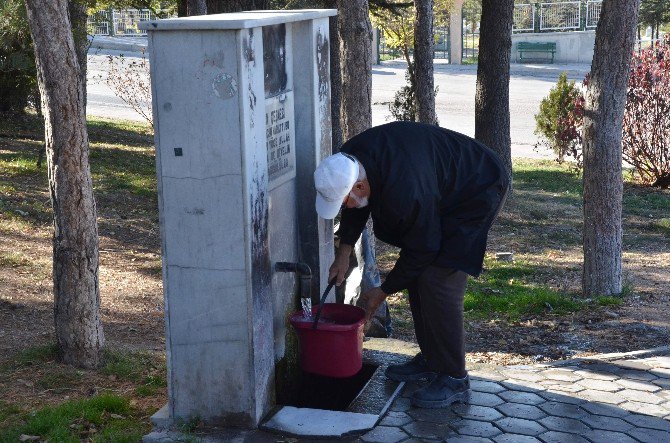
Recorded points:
305,272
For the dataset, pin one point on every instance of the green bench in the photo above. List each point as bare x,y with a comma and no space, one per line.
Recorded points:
548,48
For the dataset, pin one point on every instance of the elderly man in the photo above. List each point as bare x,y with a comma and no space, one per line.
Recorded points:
433,193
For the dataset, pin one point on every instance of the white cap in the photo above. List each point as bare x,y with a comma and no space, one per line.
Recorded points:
333,180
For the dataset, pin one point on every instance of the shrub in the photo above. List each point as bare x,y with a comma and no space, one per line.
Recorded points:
128,77
18,75
646,122
403,107
559,121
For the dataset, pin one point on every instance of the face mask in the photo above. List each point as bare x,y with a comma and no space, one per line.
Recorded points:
361,202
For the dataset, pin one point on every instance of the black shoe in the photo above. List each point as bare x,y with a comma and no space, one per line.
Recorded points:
442,391
414,370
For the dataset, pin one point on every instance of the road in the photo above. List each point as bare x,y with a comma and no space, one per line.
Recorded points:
455,100
101,100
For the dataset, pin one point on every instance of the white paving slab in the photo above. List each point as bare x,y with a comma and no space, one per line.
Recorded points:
309,422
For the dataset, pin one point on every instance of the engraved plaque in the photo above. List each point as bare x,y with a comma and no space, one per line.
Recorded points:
280,136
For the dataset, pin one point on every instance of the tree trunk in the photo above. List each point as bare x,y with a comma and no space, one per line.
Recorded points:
423,62
355,33
335,83
75,241
78,16
492,120
224,6
196,7
603,117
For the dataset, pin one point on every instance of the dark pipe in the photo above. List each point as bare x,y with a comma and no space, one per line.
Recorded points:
303,270
298,268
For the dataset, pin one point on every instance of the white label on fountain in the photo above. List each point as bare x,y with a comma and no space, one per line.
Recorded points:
279,136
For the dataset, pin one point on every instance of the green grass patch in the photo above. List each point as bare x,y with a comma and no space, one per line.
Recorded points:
389,56
507,289
35,355
150,386
609,300
121,155
14,260
100,130
20,163
130,366
7,188
59,380
120,132
646,202
103,418
9,414
114,170
548,176
663,226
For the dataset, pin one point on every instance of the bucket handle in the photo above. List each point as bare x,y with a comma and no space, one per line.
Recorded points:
323,300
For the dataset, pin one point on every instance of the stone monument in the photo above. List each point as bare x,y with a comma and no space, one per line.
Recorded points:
241,108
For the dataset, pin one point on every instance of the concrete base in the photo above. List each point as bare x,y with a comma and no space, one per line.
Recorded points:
364,412
161,419
361,415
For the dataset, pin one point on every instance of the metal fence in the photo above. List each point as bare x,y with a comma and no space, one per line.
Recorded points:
119,22
593,13
557,16
441,48
524,17
560,16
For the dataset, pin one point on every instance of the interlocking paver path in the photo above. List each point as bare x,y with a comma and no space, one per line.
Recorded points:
620,400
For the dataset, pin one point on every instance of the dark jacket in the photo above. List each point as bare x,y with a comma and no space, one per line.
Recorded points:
433,192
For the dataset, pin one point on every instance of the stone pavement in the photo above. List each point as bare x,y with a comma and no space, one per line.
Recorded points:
603,399
615,399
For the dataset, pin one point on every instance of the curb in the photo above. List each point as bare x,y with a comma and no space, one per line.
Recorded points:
644,353
117,45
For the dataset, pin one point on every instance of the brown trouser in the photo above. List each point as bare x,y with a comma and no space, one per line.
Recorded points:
436,300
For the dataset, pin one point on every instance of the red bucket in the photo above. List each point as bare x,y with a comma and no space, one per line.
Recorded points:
335,347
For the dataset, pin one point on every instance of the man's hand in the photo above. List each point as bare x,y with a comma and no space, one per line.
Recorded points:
370,301
340,266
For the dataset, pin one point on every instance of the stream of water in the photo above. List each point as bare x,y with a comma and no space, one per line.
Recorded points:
306,308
